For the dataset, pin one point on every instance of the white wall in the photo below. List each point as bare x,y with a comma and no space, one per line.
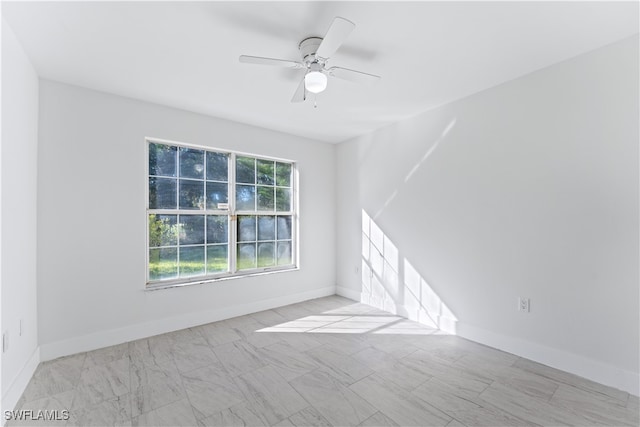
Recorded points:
91,221
526,189
19,212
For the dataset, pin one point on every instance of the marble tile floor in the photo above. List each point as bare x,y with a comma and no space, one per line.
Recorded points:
324,362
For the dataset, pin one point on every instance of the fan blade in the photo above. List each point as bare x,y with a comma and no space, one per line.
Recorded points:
270,61
301,93
353,75
338,31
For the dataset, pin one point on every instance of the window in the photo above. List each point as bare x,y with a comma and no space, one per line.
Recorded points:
214,214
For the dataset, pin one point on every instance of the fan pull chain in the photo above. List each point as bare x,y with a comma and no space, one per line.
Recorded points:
315,101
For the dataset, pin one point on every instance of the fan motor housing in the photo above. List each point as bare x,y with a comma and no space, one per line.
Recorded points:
308,48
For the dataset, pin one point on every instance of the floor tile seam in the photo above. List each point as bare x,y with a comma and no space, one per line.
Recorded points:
570,383
282,341
515,362
565,411
130,384
91,407
186,395
332,368
567,405
528,396
206,338
277,367
317,369
223,343
303,398
379,328
386,415
507,414
478,393
356,382
406,355
47,396
162,406
150,386
575,412
446,412
199,367
557,385
163,375
486,405
323,326
626,405
419,385
431,406
248,399
605,398
508,381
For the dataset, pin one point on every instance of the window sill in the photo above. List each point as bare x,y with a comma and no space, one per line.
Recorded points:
159,285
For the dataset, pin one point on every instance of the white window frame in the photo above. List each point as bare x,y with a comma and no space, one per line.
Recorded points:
231,213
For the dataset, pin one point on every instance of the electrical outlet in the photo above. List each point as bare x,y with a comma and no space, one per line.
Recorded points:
5,341
523,304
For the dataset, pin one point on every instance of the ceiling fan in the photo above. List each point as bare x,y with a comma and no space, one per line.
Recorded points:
315,53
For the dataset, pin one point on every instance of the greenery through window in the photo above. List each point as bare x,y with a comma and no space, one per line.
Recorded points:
215,214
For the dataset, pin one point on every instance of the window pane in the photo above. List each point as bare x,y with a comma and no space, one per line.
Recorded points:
284,227
191,163
245,197
163,230
265,198
217,259
189,215
283,199
162,160
246,256
266,252
217,192
266,228
246,228
191,229
217,166
245,170
191,194
191,261
283,174
265,172
163,263
217,229
284,253
162,193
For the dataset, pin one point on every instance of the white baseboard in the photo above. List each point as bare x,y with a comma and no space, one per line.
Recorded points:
348,293
587,368
143,330
590,369
13,393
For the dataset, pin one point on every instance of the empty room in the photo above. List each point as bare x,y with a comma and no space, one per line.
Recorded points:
322,213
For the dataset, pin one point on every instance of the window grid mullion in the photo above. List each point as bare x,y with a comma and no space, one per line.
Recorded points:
233,219
206,223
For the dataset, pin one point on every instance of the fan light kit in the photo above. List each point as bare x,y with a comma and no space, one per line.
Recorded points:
315,53
315,81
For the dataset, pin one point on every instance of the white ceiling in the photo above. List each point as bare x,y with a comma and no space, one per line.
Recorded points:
185,54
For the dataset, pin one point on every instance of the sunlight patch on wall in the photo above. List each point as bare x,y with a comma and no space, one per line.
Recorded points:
430,150
391,283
